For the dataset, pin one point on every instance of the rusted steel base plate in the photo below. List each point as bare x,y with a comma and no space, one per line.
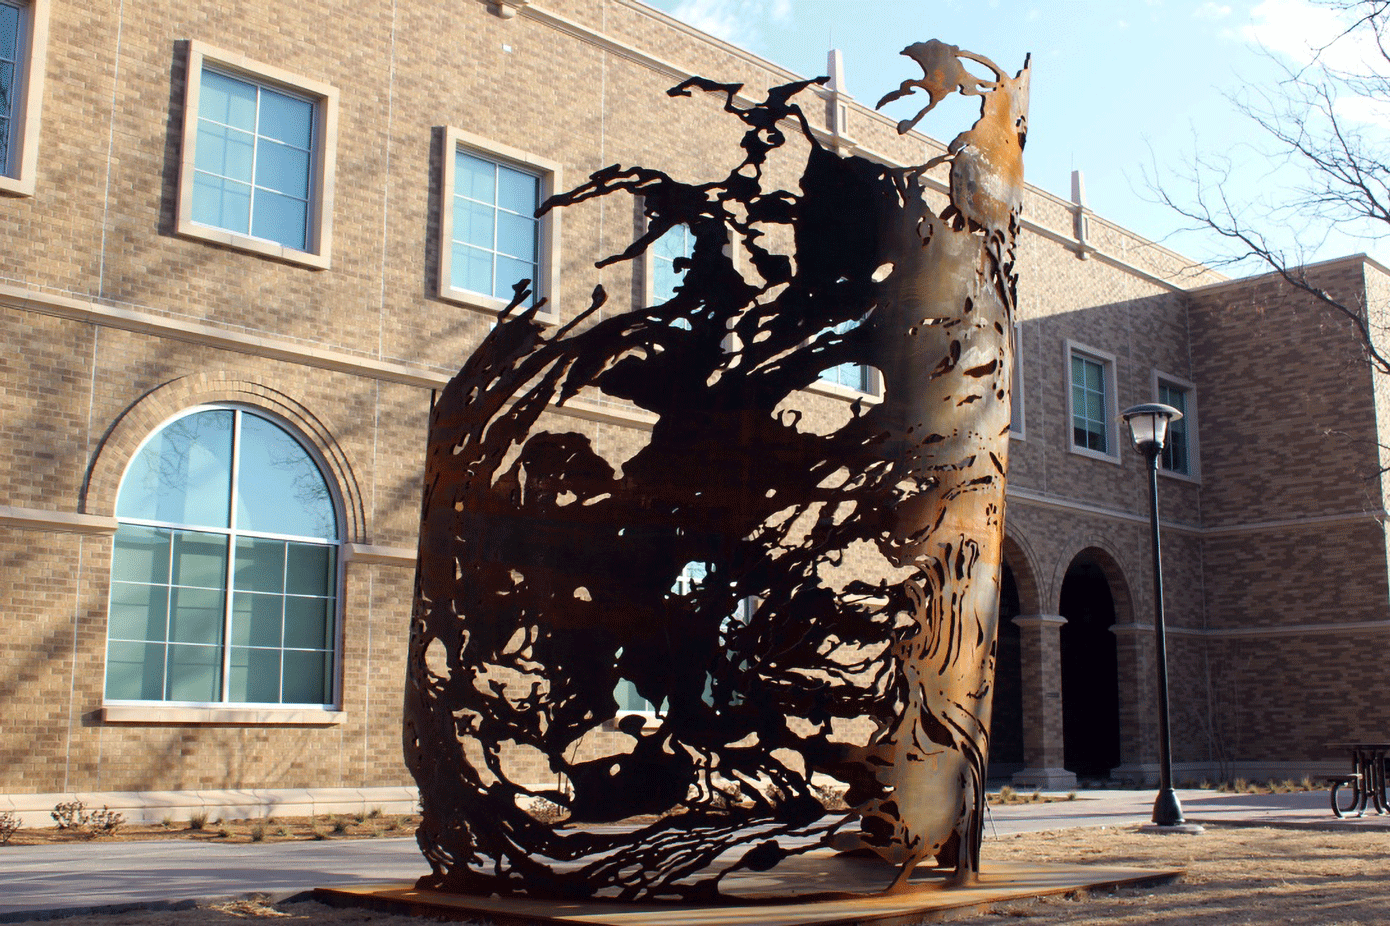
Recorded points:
930,897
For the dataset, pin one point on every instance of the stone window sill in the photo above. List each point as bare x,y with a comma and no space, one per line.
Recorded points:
151,714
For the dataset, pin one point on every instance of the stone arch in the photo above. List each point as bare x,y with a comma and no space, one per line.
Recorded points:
1018,554
1093,597
1111,562
144,416
1018,595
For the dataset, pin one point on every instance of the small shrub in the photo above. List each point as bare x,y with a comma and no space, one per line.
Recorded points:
167,823
257,831
832,799
1305,784
374,813
104,822
9,825
547,811
340,825
316,829
73,815
283,831
1241,785
69,815
224,833
1036,796
1071,795
197,819
1006,794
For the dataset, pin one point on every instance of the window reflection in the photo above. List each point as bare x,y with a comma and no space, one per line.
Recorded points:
182,475
279,488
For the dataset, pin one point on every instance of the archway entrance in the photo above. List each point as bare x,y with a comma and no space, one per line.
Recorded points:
1006,723
1090,673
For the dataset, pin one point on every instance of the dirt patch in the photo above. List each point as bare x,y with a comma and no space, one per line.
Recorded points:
1234,875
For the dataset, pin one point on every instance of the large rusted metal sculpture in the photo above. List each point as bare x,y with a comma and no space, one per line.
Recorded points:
844,624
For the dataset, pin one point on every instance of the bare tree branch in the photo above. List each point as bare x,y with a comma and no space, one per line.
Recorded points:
1310,118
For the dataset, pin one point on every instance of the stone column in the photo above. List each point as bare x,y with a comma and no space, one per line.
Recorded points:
1040,656
1134,653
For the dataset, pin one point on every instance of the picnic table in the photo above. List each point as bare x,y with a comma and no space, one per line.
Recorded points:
1366,784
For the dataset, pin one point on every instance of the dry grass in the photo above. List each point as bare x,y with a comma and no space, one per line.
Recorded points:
261,830
1235,876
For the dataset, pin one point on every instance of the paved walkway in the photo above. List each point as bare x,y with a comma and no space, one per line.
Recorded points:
94,875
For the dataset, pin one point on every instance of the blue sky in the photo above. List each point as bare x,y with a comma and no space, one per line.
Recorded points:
1119,86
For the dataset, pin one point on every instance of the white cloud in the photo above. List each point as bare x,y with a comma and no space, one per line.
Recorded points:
1303,31
736,21
1211,11
1364,110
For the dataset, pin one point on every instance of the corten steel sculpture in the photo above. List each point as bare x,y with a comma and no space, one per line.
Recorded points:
548,574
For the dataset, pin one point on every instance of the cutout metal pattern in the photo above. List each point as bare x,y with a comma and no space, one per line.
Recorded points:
845,623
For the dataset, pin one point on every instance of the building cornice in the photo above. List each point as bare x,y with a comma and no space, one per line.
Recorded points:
675,72
38,519
379,555
1064,503
1322,265
1267,630
207,335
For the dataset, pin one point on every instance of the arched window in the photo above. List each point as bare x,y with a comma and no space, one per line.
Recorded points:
224,575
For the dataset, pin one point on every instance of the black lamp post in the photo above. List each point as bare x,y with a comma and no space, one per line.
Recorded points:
1148,427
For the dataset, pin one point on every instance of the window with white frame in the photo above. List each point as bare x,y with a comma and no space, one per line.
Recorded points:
629,701
678,242
857,377
1091,402
224,570
11,70
693,574
1178,448
490,235
23,41
257,163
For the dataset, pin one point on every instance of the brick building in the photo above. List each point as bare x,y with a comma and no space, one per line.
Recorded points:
246,239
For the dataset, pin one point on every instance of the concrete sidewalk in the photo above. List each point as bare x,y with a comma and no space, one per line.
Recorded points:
102,875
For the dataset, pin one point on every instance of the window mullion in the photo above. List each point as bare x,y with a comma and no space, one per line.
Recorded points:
284,603
231,558
255,156
168,618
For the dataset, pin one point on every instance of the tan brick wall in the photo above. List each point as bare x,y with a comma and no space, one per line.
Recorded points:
77,396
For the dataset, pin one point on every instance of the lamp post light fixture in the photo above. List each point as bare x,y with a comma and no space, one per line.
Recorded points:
1148,427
